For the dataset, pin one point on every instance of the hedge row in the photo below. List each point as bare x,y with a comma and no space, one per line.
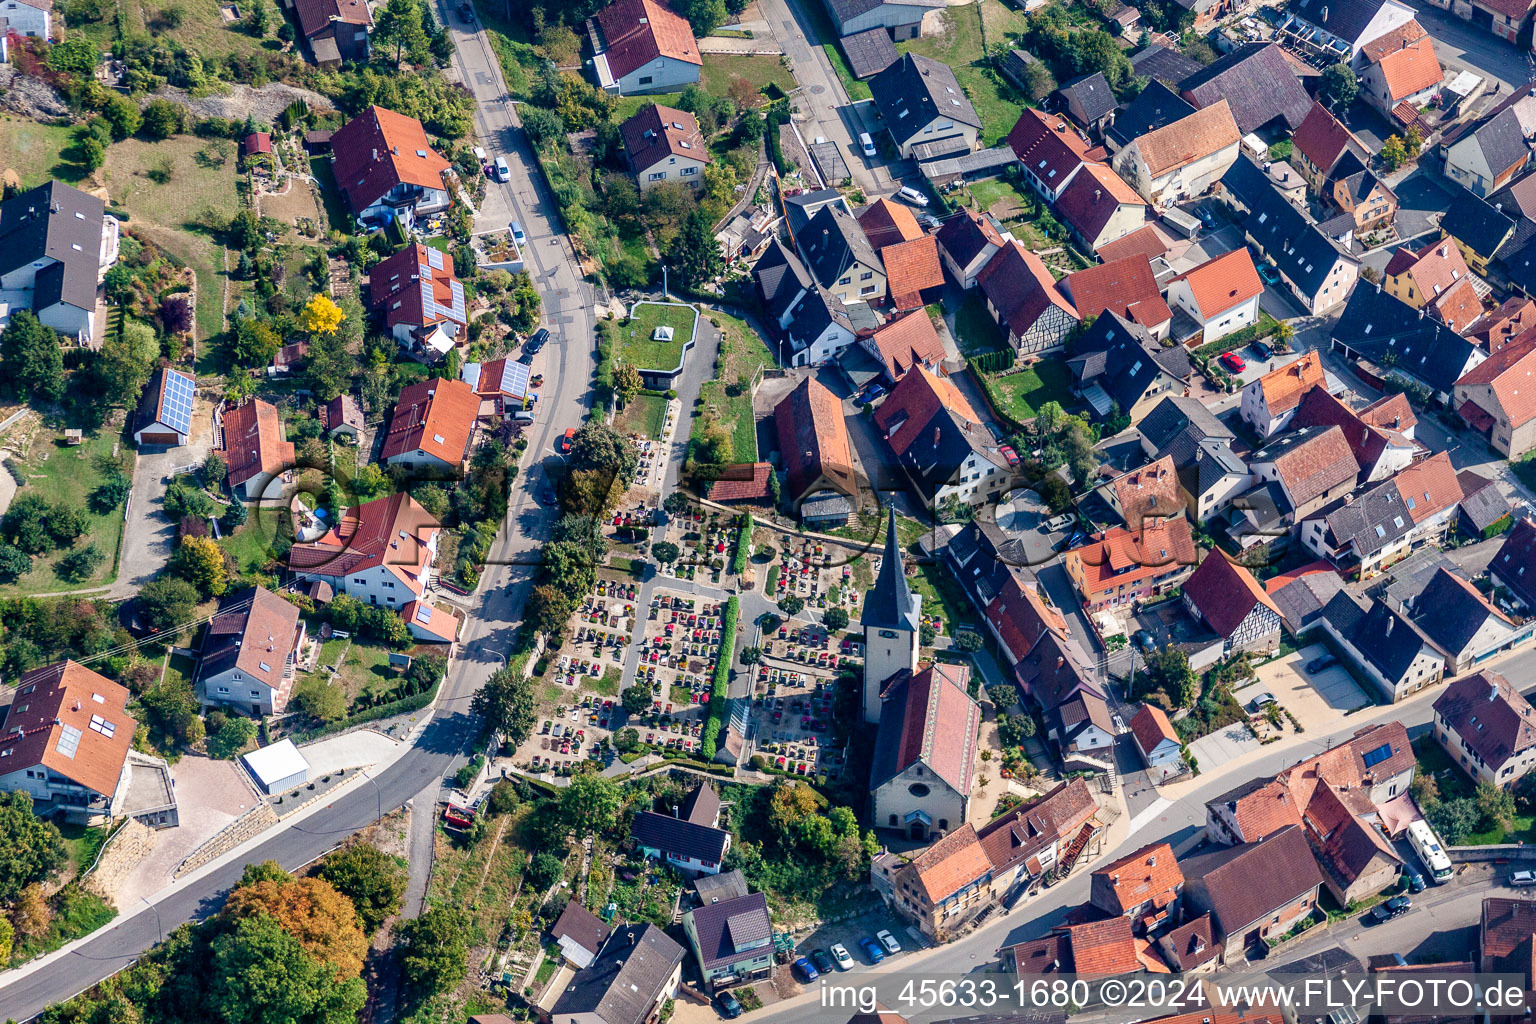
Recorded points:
717,695
743,540
403,706
992,362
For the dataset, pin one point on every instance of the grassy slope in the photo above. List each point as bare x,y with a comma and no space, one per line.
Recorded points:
58,472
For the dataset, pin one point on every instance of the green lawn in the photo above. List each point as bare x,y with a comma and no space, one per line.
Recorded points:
645,415
251,545
365,667
636,344
975,331
38,152
83,843
960,46
336,214
60,473
179,670
1023,393
762,70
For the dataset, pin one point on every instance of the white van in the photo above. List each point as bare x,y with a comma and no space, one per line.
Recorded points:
867,144
911,195
503,172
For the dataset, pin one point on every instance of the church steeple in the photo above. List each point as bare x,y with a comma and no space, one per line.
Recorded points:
890,604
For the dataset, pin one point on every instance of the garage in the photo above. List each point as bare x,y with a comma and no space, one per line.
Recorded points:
150,437
277,767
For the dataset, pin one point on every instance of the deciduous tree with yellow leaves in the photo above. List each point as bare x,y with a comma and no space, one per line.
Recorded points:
321,316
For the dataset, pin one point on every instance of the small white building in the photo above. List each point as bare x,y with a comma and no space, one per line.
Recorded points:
641,46
1155,736
1221,295
26,17
278,767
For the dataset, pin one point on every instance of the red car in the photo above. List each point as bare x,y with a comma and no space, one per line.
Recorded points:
1233,362
564,442
1009,454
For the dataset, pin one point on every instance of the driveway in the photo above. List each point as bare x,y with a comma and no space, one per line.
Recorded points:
357,749
148,534
1318,700
1224,745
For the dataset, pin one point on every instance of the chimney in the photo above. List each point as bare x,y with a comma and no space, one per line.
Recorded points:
1060,661
1097,194
1493,691
1390,623
935,437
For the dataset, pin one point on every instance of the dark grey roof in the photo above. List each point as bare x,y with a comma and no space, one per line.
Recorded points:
845,10
1372,521
781,278
1124,359
832,242
1215,461
1301,252
890,603
625,980
1302,600
702,807
1257,82
1363,182
1385,638
679,837
962,238
798,210
1450,614
1502,141
1519,261
969,164
1375,324
1177,424
732,930
1156,107
727,885
869,52
1481,501
1477,225
1515,562
816,310
915,90
582,927
1015,63
1088,97
1404,580
1346,19
57,222
1161,64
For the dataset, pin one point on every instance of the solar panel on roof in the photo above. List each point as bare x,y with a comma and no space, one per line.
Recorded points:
176,397
69,740
1380,754
424,613
434,258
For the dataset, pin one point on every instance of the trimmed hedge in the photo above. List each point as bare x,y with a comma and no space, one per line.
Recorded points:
743,540
709,741
403,706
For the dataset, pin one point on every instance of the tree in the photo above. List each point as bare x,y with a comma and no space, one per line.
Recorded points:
1038,80
635,700
123,115
66,522
162,119
400,23
1393,152
14,562
626,381
598,446
31,357
318,699
92,154
835,619
433,950
258,973
1014,729
1455,820
665,552
168,601
1496,805
1338,87
693,254
74,56
78,565
200,561
1168,671
591,803
25,524
32,914
968,641
256,343
1425,790
507,704
172,709
676,503
792,604
228,742
311,910
31,848
373,880
704,16
321,316
544,871
330,366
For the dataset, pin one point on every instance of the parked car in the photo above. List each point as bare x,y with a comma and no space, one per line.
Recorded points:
1321,662
1521,879
547,497
1268,272
1144,640
867,144
841,957
503,172
872,949
563,442
1262,350
888,941
1060,522
805,970
1415,881
730,1006
823,960
1233,362
1009,454
1206,217
467,12
1397,906
874,393
517,234
908,194
536,340
1262,701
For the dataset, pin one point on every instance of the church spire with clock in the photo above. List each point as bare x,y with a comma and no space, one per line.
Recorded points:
892,615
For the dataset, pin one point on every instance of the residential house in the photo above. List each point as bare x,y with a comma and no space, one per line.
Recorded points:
1485,512
1341,31
781,280
1384,645
1050,833
1460,621
664,144
1506,934
1302,595
1098,207
1165,65
905,342
886,223
1374,529
1344,831
27,18
1125,287
1221,295
1049,150
1120,567
388,171
820,326
641,46
799,209
1210,473
1226,597
502,385
634,976
1156,106
342,417
869,51
251,442
914,275
1144,886
1191,949
1255,891
1488,727
1313,468
1319,146
336,31
1514,565
420,300
1269,403
165,409
732,941
580,935
1145,495
939,441
1183,159
839,257
1087,100
1513,317
432,426
1389,338
967,242
1082,731
1052,674
380,552
742,481
1479,231
1156,739
1380,436
1093,949
1488,398
727,885
939,888
1316,272
901,19
249,653
1024,299
813,445
921,103
1487,154
690,840
925,751
1365,197
1400,68
1119,365
1505,18
56,243
1257,81
1436,279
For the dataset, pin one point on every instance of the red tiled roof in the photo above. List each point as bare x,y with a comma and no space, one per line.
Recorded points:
1316,465
1192,137
1366,441
912,268
253,442
394,532
938,724
1407,59
1023,832
813,439
1488,713
908,341
62,702
1149,491
1020,287
1145,241
380,149
744,481
341,411
1249,883
1151,726
395,285
1278,583
258,142
1147,874
1103,947
1094,196
434,416
256,635
1460,307
951,864
656,132
1509,375
1390,413
1514,317
1122,557
1223,283
636,32
1282,388
1225,593
1047,145
1429,486
315,16
1022,617
920,395
887,223
1432,272
1506,925
1321,138
1126,286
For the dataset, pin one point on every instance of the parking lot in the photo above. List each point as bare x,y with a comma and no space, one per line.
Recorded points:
1318,700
